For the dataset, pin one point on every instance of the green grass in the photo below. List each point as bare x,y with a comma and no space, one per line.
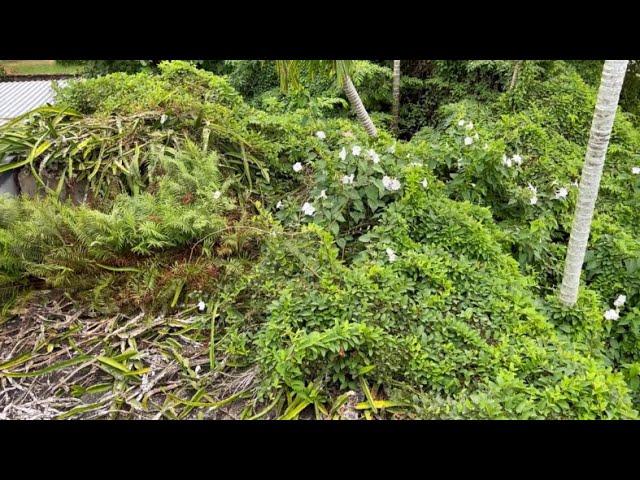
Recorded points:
39,67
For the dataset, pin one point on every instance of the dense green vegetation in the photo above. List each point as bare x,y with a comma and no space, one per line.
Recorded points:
266,238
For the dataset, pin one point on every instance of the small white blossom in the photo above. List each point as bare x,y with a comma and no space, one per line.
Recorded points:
461,123
635,170
468,140
517,159
202,306
343,154
424,183
373,155
611,314
323,194
469,126
163,119
217,194
534,198
620,301
355,151
391,255
416,164
348,179
297,167
562,193
506,161
197,369
321,135
279,205
392,184
308,209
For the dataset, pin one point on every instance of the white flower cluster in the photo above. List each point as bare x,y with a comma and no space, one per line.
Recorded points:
348,179
355,150
308,209
202,306
635,170
217,194
392,184
391,255
614,314
373,155
509,162
343,154
534,196
468,140
321,135
297,167
562,193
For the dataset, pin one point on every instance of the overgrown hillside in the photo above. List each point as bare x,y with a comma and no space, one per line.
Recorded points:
199,245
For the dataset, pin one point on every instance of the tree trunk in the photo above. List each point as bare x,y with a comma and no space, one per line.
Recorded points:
356,103
516,73
395,107
602,123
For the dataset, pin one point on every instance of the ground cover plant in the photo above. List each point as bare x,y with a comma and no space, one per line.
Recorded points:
192,242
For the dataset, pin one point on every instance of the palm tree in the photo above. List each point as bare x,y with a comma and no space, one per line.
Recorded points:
395,107
606,104
516,73
289,73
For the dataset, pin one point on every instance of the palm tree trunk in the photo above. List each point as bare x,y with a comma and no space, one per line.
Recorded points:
395,107
356,103
516,73
608,95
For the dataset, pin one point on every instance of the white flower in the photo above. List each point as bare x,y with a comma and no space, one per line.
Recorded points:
635,170
279,205
611,314
562,193
461,123
321,135
373,155
416,164
197,369
620,301
392,255
343,154
308,209
533,189
469,126
424,183
355,151
323,194
468,140
348,179
517,159
202,306
506,161
297,167
392,184
163,119
533,200
217,194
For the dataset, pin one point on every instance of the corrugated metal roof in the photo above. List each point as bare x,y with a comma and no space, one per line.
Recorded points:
17,98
